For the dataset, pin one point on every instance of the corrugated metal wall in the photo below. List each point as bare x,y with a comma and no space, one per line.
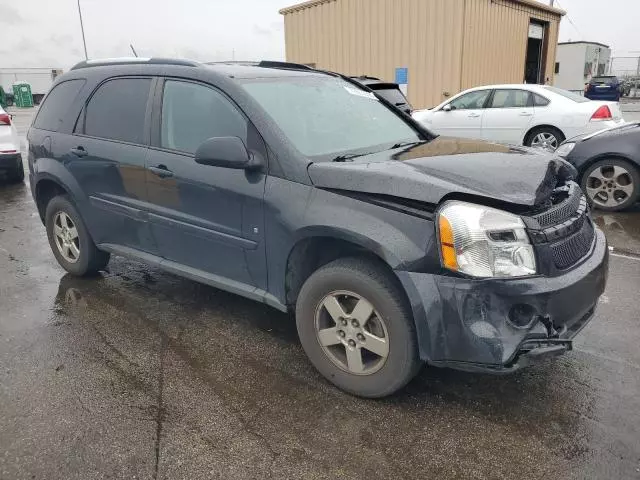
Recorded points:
495,41
448,45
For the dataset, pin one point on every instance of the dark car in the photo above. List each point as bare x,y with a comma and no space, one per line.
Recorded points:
604,87
389,91
608,164
303,190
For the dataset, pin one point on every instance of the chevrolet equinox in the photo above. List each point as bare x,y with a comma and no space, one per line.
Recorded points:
305,190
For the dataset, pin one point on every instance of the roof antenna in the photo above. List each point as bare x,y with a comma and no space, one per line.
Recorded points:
133,50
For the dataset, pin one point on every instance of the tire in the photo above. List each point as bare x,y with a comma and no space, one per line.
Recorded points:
611,170
391,316
89,260
533,137
17,176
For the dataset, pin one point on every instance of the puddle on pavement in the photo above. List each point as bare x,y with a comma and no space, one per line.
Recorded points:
622,229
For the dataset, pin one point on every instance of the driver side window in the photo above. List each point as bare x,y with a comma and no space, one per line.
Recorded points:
470,101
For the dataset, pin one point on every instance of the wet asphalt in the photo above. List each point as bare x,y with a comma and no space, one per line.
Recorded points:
140,374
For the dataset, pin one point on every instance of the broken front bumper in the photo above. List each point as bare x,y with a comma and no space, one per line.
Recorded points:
501,325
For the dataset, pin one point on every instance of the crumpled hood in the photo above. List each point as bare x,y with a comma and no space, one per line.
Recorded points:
448,165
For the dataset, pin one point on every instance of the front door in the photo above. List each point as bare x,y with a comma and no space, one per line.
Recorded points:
462,117
203,217
508,116
106,156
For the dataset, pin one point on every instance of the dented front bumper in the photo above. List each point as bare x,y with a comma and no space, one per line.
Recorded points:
502,325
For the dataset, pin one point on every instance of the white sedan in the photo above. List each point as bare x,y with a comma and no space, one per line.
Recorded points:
531,115
10,160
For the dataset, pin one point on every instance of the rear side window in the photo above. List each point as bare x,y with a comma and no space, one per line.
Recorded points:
193,113
511,99
540,101
117,110
57,104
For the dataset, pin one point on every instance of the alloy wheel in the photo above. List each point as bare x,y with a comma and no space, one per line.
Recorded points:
610,185
66,237
352,333
545,140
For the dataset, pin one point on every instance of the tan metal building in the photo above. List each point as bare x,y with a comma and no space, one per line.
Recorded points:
443,46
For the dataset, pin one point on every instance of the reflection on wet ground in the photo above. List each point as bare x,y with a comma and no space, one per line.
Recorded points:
140,373
622,229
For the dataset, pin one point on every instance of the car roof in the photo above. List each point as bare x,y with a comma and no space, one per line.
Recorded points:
245,70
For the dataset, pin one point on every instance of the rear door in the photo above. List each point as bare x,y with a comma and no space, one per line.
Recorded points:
508,116
205,217
465,117
106,155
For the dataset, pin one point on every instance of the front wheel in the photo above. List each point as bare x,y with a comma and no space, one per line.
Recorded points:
357,329
547,138
612,184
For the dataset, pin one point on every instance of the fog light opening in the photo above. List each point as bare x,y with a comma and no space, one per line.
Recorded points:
522,315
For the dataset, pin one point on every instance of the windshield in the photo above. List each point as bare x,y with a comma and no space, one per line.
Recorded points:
567,94
325,116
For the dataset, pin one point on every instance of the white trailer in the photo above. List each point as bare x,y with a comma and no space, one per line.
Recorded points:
40,79
578,62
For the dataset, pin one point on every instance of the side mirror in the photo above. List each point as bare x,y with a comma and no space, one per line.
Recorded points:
447,108
226,152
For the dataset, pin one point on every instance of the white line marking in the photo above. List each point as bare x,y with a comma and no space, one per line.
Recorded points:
625,256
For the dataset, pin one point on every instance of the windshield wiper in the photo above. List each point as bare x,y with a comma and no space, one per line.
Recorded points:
349,156
408,144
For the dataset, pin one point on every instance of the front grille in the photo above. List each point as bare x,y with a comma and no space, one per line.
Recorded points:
569,250
559,213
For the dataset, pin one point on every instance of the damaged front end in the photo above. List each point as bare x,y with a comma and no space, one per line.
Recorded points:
499,325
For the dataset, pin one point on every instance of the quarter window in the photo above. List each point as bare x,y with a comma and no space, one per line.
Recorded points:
117,110
57,104
193,113
511,99
470,101
540,101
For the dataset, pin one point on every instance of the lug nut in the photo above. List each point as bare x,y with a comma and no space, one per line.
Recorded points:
355,323
341,333
360,337
352,343
343,321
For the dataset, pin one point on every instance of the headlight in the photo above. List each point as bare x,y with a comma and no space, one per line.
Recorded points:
565,149
484,242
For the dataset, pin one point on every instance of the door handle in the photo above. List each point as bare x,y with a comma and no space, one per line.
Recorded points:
526,114
79,151
162,171
474,115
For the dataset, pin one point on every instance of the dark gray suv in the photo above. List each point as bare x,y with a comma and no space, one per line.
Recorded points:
306,191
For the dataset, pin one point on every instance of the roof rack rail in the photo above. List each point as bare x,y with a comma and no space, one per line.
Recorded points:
101,62
287,65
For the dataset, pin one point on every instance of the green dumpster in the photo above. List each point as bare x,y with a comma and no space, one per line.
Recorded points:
22,95
3,98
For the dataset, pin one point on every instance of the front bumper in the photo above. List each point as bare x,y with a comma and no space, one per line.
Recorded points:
9,162
464,323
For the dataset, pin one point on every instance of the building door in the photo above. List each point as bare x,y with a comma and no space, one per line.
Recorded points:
534,63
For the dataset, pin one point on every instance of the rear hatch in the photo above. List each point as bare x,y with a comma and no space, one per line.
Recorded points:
603,85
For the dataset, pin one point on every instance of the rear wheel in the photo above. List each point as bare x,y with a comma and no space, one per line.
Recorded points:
612,184
357,329
17,175
70,241
548,138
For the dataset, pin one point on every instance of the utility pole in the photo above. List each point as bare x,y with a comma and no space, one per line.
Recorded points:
84,42
551,3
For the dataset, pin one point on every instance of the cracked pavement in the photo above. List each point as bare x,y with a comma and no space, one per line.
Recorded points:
141,374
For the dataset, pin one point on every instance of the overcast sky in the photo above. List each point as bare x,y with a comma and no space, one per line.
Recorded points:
37,34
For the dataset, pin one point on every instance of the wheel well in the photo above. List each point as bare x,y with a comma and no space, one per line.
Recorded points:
45,191
539,127
310,254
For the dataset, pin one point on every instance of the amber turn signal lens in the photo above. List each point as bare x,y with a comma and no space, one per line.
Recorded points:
449,257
